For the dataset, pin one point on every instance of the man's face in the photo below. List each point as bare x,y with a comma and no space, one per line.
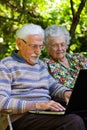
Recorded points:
30,48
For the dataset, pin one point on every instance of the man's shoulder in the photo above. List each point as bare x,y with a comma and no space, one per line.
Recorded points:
42,63
46,60
6,59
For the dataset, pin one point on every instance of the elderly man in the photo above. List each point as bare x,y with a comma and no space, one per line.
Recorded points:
25,84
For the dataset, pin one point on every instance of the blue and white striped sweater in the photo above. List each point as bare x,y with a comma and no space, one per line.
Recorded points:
22,85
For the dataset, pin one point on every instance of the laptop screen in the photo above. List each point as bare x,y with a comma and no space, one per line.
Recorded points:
78,99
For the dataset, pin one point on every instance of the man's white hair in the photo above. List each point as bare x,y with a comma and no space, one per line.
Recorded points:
29,29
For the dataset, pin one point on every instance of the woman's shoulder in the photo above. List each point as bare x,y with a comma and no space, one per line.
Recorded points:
75,55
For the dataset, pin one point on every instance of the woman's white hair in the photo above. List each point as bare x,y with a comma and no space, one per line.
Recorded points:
29,29
56,31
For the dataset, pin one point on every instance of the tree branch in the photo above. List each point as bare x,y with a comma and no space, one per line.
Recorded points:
76,18
72,9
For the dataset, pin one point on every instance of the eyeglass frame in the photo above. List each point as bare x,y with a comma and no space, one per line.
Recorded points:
33,46
55,47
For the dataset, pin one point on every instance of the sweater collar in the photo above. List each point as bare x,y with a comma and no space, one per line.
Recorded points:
18,58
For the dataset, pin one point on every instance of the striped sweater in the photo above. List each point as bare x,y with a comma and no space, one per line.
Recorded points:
22,85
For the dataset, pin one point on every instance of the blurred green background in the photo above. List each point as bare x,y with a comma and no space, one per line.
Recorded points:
70,13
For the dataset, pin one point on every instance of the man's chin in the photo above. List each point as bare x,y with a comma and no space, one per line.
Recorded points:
32,62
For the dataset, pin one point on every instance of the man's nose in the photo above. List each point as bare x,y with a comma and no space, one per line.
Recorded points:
37,50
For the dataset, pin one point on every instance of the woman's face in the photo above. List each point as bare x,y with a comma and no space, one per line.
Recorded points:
57,48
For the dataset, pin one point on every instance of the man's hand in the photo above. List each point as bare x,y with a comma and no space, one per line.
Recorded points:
67,95
49,105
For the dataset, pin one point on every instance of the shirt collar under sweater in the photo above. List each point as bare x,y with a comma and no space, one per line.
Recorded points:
18,58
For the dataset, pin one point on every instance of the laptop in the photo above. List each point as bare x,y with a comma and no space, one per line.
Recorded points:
78,100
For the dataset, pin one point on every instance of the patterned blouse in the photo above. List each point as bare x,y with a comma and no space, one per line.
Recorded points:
66,76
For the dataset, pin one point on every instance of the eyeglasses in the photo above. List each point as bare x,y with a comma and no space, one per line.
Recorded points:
33,46
55,47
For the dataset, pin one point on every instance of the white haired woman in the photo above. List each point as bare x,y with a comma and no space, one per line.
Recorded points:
63,66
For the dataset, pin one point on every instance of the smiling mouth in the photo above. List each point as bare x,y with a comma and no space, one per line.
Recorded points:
59,52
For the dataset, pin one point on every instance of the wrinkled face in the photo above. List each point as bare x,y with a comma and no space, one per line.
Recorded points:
57,48
30,48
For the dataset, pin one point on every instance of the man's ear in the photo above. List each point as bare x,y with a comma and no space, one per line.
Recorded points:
18,42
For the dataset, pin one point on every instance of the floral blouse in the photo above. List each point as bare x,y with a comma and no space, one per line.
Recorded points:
66,76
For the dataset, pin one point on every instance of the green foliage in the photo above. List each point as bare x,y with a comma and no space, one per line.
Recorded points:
15,13
43,54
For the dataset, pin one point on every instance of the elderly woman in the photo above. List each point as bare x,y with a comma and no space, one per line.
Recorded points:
64,67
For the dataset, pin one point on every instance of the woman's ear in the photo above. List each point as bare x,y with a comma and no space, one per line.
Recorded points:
66,47
46,46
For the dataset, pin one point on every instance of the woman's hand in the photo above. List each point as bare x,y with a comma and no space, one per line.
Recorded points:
67,95
49,105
